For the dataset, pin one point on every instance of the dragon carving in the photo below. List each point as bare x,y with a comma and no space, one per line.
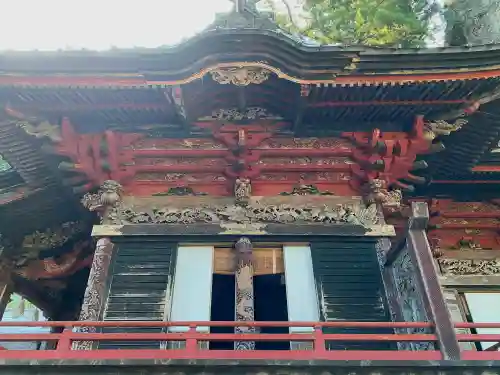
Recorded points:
433,129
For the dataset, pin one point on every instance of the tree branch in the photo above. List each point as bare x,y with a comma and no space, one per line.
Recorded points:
289,11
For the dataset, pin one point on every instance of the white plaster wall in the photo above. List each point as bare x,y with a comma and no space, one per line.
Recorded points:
192,289
301,294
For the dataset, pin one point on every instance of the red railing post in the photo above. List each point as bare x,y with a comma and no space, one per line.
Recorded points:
64,342
319,342
191,343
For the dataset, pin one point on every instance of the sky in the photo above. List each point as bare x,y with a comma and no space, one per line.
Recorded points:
102,24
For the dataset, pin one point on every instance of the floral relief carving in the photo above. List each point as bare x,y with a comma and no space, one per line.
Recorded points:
95,293
173,144
410,297
240,76
305,160
461,267
180,177
311,142
305,177
251,213
244,298
303,189
234,114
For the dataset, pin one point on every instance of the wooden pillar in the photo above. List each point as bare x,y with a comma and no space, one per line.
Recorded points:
421,256
244,298
95,294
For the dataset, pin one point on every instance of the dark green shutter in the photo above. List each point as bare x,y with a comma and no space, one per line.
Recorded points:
350,287
142,271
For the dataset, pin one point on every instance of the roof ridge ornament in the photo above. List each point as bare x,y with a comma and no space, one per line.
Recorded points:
243,16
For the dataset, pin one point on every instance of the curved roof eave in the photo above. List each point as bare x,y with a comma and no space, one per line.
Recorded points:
286,56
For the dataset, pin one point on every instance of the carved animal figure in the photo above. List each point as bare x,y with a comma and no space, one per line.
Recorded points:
242,190
434,129
110,192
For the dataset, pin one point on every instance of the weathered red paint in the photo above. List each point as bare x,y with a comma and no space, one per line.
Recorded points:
395,151
234,151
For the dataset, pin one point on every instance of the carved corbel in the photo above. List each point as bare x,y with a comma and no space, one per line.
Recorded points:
106,201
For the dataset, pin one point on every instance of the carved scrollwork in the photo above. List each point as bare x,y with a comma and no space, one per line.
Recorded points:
252,213
240,76
462,267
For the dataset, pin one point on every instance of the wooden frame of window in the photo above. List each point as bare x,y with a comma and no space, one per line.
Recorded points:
466,311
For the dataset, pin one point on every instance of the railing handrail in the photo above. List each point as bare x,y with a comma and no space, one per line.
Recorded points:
153,324
145,323
69,337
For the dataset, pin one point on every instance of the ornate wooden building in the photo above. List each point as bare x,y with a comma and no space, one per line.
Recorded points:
330,205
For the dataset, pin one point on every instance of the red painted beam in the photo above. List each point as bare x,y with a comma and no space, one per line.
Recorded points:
277,355
470,215
486,168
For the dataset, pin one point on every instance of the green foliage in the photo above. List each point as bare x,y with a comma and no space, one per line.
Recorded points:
398,23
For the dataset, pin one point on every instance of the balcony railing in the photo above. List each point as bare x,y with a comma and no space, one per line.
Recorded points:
65,350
